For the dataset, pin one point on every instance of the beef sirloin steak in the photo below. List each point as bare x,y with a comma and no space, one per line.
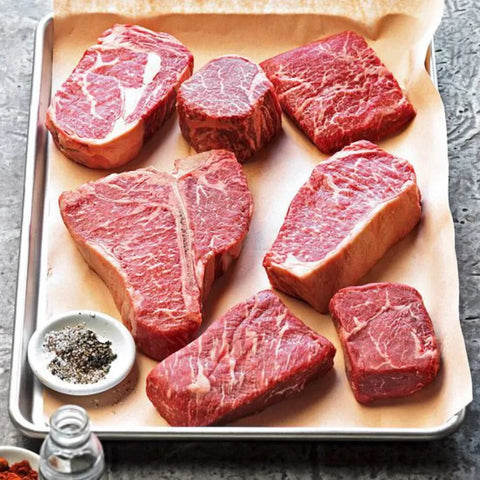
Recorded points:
388,340
158,240
254,355
231,104
338,91
354,206
118,95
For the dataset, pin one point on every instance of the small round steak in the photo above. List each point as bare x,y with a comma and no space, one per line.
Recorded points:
229,104
388,340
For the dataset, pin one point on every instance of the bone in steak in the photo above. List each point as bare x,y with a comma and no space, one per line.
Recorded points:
256,354
338,91
354,206
230,104
388,340
158,240
118,95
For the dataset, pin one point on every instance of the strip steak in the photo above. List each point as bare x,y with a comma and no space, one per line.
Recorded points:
353,208
230,104
338,91
256,354
388,340
158,240
118,95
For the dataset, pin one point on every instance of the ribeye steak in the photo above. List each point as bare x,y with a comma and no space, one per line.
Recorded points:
338,91
158,240
118,95
388,340
231,104
354,206
254,355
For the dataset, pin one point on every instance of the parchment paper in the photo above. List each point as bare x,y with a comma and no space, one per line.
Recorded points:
400,32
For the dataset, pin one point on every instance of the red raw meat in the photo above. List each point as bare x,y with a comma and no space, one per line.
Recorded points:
158,240
229,104
338,91
353,208
118,95
388,340
256,354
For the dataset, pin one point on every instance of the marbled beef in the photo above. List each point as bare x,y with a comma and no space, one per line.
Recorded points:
118,95
338,91
230,104
354,206
158,240
388,340
256,354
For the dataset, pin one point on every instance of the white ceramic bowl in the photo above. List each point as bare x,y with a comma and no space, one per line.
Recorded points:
106,328
16,454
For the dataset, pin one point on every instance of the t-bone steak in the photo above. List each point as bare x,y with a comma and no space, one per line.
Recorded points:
338,91
388,340
118,95
256,354
158,240
231,104
353,208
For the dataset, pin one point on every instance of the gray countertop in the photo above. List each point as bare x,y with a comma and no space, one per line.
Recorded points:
456,457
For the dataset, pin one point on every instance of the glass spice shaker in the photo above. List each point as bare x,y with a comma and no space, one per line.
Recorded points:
71,451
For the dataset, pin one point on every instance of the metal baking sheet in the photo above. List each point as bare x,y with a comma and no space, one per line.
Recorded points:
25,397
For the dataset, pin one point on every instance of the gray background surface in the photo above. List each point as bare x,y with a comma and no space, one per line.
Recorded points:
457,49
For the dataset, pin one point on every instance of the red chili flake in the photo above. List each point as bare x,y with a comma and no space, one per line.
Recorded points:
3,465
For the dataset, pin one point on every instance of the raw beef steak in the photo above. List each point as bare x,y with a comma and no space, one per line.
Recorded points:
354,206
118,95
388,340
254,355
338,91
230,104
159,240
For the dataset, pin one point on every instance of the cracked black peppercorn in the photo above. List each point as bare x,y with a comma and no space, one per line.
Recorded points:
78,355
